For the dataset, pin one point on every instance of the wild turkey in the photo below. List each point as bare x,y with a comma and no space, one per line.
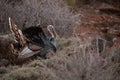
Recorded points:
33,40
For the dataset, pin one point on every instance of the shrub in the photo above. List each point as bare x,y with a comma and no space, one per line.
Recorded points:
37,12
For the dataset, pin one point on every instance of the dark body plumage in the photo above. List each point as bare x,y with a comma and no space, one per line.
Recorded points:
36,36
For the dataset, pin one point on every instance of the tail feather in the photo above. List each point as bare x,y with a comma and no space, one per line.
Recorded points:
16,32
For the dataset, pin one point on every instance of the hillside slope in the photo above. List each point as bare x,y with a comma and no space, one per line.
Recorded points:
91,50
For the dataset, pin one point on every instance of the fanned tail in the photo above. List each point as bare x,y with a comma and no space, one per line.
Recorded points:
16,32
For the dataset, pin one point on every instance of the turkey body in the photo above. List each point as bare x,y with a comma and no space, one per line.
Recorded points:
37,42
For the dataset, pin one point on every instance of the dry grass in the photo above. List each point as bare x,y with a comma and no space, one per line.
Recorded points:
28,13
75,61
30,73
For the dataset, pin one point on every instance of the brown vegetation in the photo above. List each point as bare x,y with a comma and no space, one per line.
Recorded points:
73,60
92,53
